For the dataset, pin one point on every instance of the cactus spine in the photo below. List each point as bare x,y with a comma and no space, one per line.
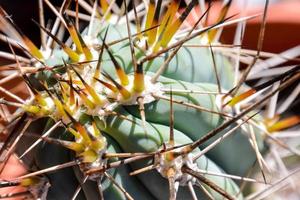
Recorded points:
136,107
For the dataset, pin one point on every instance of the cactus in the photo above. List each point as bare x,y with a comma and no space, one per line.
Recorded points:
136,107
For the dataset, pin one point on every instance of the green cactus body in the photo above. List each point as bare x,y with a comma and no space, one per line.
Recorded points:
65,189
187,65
201,123
132,138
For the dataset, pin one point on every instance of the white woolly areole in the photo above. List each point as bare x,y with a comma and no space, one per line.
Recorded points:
50,104
93,52
90,41
236,109
150,88
39,191
100,161
221,99
230,110
46,55
163,165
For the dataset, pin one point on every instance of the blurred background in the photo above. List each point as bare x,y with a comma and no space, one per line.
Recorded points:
282,31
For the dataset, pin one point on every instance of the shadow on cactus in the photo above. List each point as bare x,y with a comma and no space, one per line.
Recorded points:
137,106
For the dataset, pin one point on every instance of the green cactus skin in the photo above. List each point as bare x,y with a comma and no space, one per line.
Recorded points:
132,138
201,123
187,65
65,189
